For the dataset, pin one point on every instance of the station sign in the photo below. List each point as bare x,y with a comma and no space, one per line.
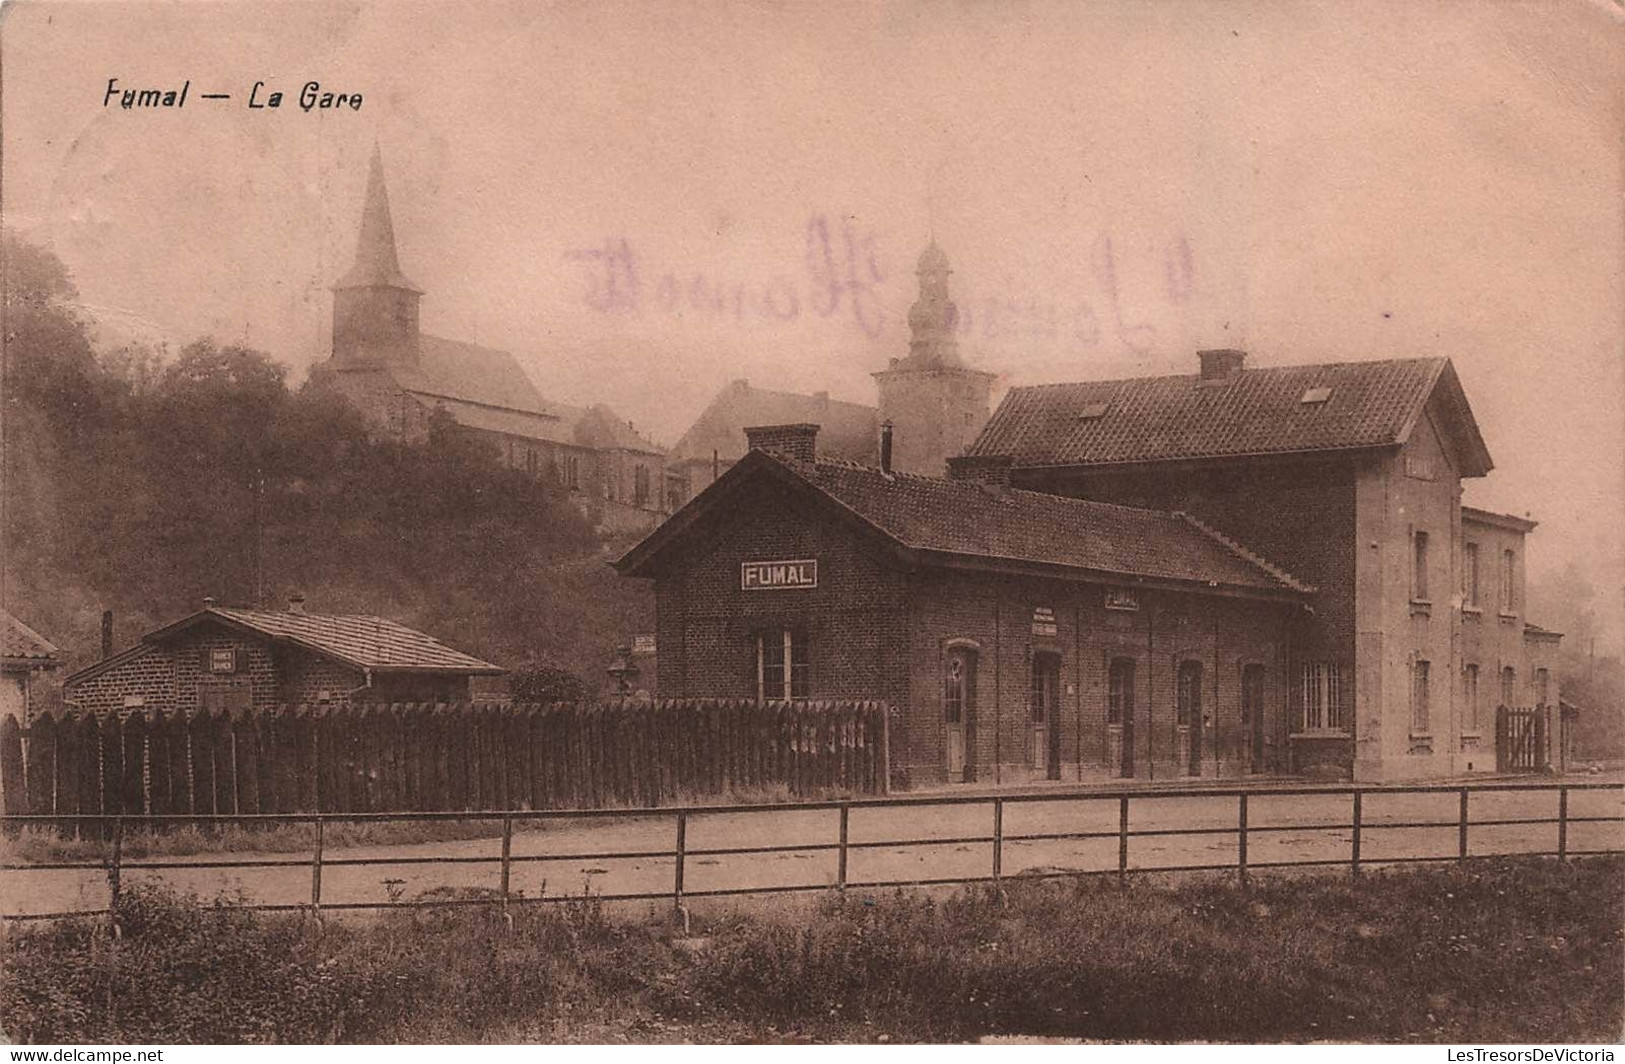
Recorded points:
778,576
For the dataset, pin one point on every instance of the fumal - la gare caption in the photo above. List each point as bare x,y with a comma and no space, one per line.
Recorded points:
311,97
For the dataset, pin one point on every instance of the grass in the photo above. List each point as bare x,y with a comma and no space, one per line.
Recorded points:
1513,951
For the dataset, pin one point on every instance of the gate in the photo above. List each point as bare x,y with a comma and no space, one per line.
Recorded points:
1520,739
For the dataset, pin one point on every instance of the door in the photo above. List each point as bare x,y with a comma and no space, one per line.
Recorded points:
1046,704
1189,723
1252,713
959,714
1120,716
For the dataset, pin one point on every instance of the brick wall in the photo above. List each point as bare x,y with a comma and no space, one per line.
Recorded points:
878,631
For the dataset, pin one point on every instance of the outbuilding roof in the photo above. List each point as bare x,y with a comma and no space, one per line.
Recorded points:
944,521
20,645
362,641
1331,407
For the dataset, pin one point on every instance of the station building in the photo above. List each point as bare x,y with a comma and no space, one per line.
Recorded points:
1019,635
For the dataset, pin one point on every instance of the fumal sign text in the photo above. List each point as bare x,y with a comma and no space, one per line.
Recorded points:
778,576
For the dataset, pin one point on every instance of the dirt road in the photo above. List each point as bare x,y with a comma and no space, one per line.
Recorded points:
550,861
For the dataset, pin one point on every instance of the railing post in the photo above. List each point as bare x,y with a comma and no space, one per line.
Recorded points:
1562,823
316,868
507,867
115,871
1461,842
998,848
1122,839
1354,846
677,884
840,866
1241,839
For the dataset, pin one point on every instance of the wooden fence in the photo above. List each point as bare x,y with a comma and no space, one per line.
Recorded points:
402,758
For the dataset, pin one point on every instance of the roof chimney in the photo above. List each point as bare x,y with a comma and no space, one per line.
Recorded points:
992,471
208,602
296,602
885,446
794,443
1221,363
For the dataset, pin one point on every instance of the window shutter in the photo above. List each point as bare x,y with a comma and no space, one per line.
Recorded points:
241,661
203,658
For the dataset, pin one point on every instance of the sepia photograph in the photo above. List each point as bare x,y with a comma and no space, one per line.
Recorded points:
877,523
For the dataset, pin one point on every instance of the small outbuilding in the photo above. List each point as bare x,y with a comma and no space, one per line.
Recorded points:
221,658
24,654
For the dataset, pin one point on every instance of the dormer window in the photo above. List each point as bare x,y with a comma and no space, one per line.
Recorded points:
1315,396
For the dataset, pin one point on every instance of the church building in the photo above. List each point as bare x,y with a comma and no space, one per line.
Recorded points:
399,377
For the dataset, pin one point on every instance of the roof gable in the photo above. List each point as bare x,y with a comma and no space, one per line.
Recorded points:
20,644
1323,408
934,520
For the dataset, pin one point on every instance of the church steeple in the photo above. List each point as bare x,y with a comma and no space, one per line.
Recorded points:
935,403
375,307
933,319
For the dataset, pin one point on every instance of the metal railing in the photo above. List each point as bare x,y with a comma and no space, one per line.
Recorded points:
1359,826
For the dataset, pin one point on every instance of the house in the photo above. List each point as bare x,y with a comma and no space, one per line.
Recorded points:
716,440
24,653
400,378
1020,635
1350,476
226,659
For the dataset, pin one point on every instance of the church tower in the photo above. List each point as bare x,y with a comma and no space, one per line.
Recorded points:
375,308
936,404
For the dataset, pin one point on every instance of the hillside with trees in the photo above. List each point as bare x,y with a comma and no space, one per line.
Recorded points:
141,484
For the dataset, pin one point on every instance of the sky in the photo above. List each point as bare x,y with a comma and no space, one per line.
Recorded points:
645,202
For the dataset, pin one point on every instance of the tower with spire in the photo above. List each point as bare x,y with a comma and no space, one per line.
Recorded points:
935,403
375,308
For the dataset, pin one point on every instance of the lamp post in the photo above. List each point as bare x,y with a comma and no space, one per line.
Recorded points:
624,670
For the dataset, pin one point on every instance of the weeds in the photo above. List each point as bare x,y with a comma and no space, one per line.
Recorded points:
1505,951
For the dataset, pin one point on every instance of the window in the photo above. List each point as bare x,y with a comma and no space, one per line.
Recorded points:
674,495
1469,697
1316,395
1045,687
1543,686
783,667
1320,695
1509,563
1419,568
1509,686
1469,575
1418,467
1419,696
572,472
956,687
530,460
1119,690
640,486
1190,693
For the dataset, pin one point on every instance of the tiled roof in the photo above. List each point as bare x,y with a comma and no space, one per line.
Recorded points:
1254,412
601,428
21,644
360,639
966,519
846,430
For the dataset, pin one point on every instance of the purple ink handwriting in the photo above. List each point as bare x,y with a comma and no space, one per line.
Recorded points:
841,275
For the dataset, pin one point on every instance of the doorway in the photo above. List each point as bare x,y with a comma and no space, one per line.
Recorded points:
1120,716
1046,716
1252,714
1190,713
959,714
